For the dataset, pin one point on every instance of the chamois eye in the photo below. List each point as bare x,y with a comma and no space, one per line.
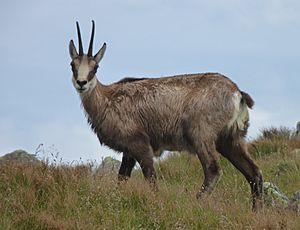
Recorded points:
73,68
94,71
92,74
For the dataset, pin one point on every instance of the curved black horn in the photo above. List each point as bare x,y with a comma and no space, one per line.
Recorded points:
90,52
79,40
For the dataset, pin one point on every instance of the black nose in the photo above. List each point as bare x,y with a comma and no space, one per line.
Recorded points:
81,83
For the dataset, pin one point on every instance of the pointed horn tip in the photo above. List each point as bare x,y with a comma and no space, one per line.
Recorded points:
78,27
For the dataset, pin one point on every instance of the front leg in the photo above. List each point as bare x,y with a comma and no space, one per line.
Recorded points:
126,167
138,149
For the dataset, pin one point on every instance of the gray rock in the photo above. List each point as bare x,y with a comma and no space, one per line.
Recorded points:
108,164
18,156
274,197
296,195
298,128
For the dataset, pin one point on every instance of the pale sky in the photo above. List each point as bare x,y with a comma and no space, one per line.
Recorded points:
255,43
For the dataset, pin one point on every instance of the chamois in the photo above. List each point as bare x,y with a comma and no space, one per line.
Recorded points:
204,113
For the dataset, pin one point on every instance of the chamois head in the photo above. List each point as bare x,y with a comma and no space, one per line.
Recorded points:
84,66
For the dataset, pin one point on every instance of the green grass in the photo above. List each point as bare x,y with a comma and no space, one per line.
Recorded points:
45,196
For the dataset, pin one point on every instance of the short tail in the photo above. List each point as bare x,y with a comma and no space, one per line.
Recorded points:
248,99
239,122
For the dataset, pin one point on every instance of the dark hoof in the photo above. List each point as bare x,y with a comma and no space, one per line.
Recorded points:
258,206
122,179
201,195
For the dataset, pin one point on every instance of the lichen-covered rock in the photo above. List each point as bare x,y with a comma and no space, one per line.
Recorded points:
273,195
108,164
275,198
298,128
297,195
18,156
294,203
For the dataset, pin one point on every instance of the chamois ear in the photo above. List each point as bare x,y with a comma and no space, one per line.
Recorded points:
72,50
98,56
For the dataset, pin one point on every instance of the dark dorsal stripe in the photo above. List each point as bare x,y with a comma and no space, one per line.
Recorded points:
130,79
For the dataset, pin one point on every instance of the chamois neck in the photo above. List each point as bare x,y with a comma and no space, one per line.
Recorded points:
94,102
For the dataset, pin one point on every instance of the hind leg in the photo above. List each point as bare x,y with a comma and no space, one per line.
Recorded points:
238,155
127,165
209,159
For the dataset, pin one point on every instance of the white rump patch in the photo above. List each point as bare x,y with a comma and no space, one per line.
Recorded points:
240,113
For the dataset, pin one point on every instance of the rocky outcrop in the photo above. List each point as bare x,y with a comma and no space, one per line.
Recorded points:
109,164
18,156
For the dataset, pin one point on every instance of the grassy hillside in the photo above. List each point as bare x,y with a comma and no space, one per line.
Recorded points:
44,196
